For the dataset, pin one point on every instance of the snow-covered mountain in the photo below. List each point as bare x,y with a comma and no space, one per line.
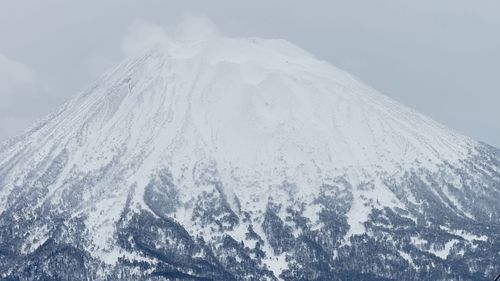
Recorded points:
244,159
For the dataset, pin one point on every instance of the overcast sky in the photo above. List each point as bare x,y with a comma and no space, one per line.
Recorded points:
441,57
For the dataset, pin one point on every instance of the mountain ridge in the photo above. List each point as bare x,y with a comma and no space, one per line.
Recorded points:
240,152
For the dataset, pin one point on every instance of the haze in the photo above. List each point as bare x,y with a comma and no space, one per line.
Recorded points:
439,57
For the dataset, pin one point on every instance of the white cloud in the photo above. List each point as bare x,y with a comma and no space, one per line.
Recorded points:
143,34
196,28
16,81
22,97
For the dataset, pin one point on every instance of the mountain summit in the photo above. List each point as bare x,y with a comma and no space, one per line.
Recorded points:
244,159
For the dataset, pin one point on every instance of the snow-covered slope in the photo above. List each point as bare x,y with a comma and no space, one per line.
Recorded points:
225,135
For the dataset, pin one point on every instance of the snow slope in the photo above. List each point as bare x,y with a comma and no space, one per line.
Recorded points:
257,113
248,104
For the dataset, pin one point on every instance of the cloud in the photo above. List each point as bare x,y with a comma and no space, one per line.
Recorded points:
16,80
22,97
143,34
194,27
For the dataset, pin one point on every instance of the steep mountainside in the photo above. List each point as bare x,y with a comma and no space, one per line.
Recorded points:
244,159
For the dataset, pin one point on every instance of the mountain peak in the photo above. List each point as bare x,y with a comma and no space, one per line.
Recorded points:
270,98
253,106
213,138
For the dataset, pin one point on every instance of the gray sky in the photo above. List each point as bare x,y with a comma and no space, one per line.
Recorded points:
441,57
